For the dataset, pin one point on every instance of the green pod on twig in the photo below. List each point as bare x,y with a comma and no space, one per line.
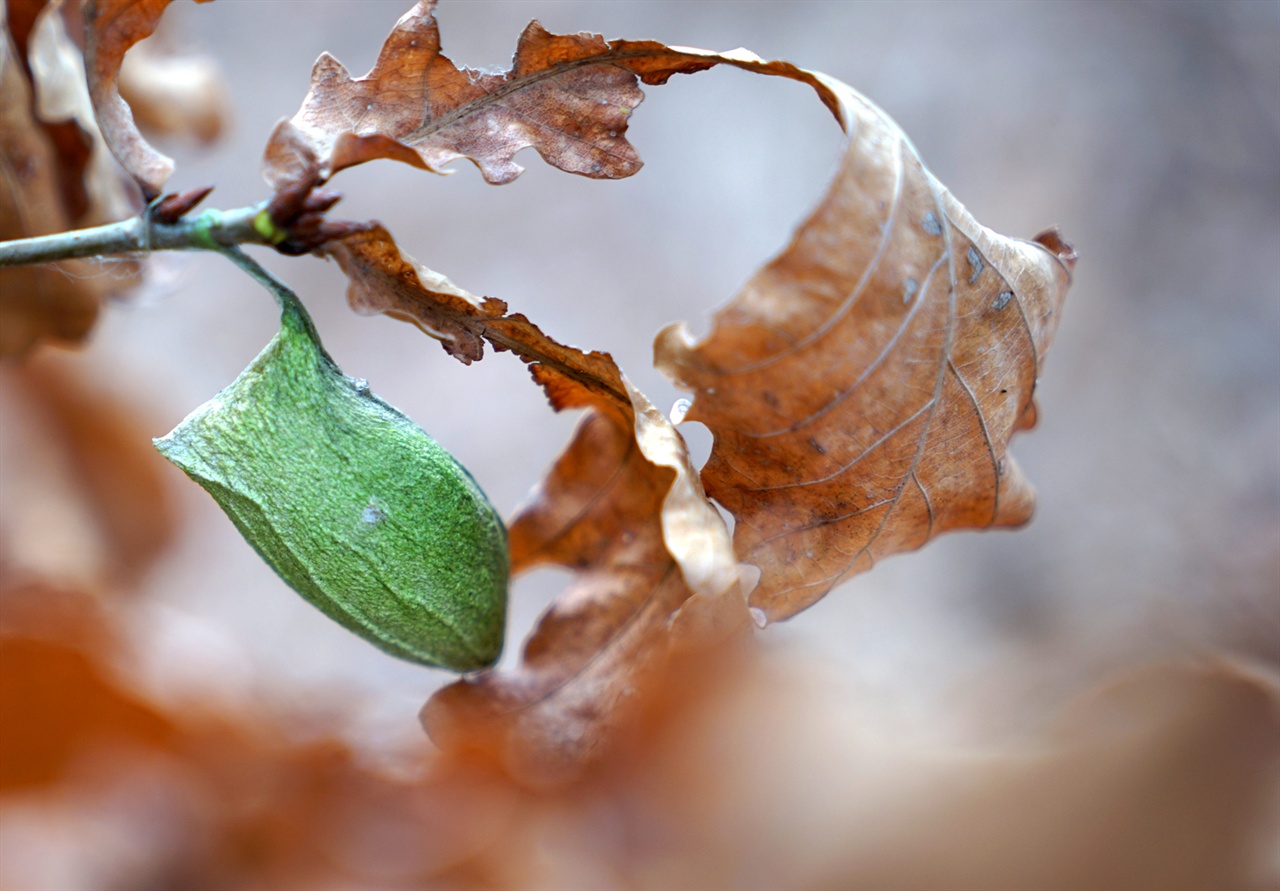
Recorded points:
354,505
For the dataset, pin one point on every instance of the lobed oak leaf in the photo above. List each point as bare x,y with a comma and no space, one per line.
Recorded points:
569,96
863,386
862,391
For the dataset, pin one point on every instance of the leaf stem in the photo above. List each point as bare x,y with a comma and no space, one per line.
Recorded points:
292,311
140,234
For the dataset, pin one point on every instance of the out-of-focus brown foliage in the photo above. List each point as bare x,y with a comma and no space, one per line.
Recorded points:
42,191
83,499
175,95
1163,779
58,169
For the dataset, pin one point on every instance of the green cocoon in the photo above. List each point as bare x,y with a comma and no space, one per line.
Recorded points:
354,505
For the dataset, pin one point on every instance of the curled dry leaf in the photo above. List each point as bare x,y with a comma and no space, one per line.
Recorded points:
862,390
382,279
61,302
94,188
112,27
623,507
863,387
569,96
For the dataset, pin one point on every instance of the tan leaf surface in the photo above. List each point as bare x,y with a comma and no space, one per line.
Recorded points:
569,96
60,302
112,27
623,507
863,387
95,189
383,279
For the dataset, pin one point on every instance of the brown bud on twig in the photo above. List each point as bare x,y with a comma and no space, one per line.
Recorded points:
176,205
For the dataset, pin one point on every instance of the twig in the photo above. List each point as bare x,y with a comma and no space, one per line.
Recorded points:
140,234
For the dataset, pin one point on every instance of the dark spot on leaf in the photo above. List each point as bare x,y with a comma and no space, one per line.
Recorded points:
1002,300
817,447
930,224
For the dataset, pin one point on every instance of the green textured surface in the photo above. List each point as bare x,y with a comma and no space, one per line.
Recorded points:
354,505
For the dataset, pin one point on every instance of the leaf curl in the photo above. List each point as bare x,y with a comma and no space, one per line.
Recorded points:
383,279
862,388
623,507
570,96
112,27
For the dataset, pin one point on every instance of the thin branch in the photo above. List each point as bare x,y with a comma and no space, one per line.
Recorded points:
141,234
291,309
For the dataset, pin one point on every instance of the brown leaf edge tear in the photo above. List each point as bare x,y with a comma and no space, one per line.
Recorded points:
863,386
383,279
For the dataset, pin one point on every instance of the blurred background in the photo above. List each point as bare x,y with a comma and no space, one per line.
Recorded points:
1149,132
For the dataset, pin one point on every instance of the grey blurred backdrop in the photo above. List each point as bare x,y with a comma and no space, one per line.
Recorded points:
1149,132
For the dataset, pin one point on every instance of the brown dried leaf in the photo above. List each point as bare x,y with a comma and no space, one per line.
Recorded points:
94,187
112,27
862,390
863,386
59,302
624,507
569,96
383,279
